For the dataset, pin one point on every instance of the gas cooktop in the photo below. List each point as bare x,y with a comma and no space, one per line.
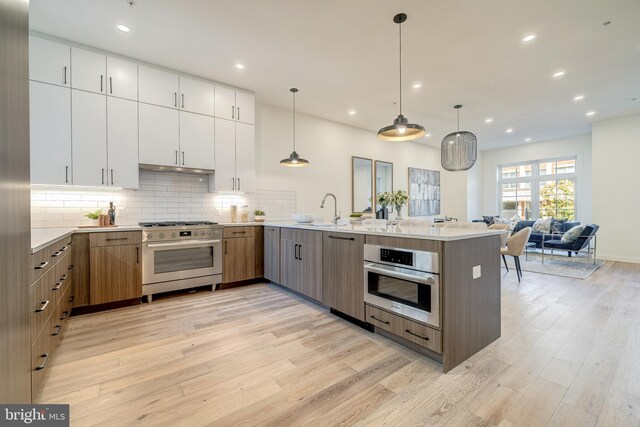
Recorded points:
175,223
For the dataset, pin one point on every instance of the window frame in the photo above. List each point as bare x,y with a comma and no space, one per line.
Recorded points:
535,179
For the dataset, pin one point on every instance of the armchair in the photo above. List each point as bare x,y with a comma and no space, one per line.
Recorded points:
582,244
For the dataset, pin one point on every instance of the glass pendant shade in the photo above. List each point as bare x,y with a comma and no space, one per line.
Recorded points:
294,160
459,150
401,129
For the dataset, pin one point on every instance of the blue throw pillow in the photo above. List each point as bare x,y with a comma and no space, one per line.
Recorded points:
572,235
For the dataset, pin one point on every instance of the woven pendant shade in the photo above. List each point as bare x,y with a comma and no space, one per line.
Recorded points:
459,150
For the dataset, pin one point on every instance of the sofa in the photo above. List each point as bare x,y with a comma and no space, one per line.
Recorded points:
557,228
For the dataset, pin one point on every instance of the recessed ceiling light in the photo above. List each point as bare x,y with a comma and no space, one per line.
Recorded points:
123,28
240,66
578,97
509,130
488,120
528,38
591,113
527,140
559,74
352,112
417,85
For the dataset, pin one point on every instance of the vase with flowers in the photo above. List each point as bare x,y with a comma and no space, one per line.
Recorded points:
398,200
383,199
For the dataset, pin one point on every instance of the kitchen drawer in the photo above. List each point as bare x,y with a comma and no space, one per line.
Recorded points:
231,232
302,236
55,326
115,238
40,355
405,328
42,301
404,243
41,262
62,282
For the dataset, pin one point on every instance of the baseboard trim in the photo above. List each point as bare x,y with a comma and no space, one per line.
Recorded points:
618,258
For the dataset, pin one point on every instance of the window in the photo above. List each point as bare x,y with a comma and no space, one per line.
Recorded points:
554,182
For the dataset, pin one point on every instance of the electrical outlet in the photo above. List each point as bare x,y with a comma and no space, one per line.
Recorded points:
477,271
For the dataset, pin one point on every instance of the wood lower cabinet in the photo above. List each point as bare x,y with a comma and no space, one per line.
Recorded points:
301,261
243,253
80,263
272,253
115,272
342,273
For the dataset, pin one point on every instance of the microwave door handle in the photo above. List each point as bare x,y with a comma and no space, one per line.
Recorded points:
193,243
399,275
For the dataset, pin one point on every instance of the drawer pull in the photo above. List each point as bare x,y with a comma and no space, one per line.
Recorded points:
42,265
239,232
71,267
44,363
119,238
379,320
65,314
342,238
57,286
64,248
416,335
56,254
64,276
56,331
71,298
43,306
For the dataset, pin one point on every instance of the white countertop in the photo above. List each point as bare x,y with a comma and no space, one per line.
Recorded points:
413,232
42,237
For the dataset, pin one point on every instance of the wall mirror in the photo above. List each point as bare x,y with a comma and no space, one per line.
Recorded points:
362,184
384,178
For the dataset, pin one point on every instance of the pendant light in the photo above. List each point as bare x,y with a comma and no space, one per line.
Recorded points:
401,129
459,149
294,160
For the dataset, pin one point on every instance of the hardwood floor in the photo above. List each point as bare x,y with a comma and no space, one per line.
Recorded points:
255,355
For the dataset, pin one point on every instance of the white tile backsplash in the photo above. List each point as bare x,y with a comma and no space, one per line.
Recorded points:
163,196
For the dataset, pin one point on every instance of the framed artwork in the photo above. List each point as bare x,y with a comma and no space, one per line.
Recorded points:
424,192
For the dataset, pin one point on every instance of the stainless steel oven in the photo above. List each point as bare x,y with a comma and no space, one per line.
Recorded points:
403,281
180,256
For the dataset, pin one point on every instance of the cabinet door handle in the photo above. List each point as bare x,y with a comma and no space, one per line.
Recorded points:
57,286
102,176
111,176
42,265
233,112
65,74
110,85
233,182
379,320
66,174
116,238
183,100
295,251
238,184
45,356
175,99
342,238
101,78
43,306
238,112
56,331
183,158
137,255
226,247
176,157
416,335
300,252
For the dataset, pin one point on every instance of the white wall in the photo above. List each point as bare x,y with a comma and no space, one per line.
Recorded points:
329,147
578,146
616,176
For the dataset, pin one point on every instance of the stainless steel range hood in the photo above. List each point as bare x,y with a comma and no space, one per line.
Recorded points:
158,168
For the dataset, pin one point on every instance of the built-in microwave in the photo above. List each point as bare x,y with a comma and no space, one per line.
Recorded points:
403,281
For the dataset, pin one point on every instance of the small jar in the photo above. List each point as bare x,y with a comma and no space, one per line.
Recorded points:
234,213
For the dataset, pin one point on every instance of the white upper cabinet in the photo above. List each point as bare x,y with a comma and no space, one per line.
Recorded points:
158,87
122,79
50,124
196,96
225,156
235,105
88,71
245,157
89,138
245,107
49,62
196,141
122,143
225,103
159,135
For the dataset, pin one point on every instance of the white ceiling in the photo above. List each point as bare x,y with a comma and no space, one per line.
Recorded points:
343,55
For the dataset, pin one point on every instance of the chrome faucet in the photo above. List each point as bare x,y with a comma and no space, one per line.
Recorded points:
336,217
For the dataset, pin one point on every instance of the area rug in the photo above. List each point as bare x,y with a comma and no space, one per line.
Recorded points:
574,267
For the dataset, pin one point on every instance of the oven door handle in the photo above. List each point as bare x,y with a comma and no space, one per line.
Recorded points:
193,243
394,273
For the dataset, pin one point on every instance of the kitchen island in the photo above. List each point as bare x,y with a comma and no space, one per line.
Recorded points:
450,277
